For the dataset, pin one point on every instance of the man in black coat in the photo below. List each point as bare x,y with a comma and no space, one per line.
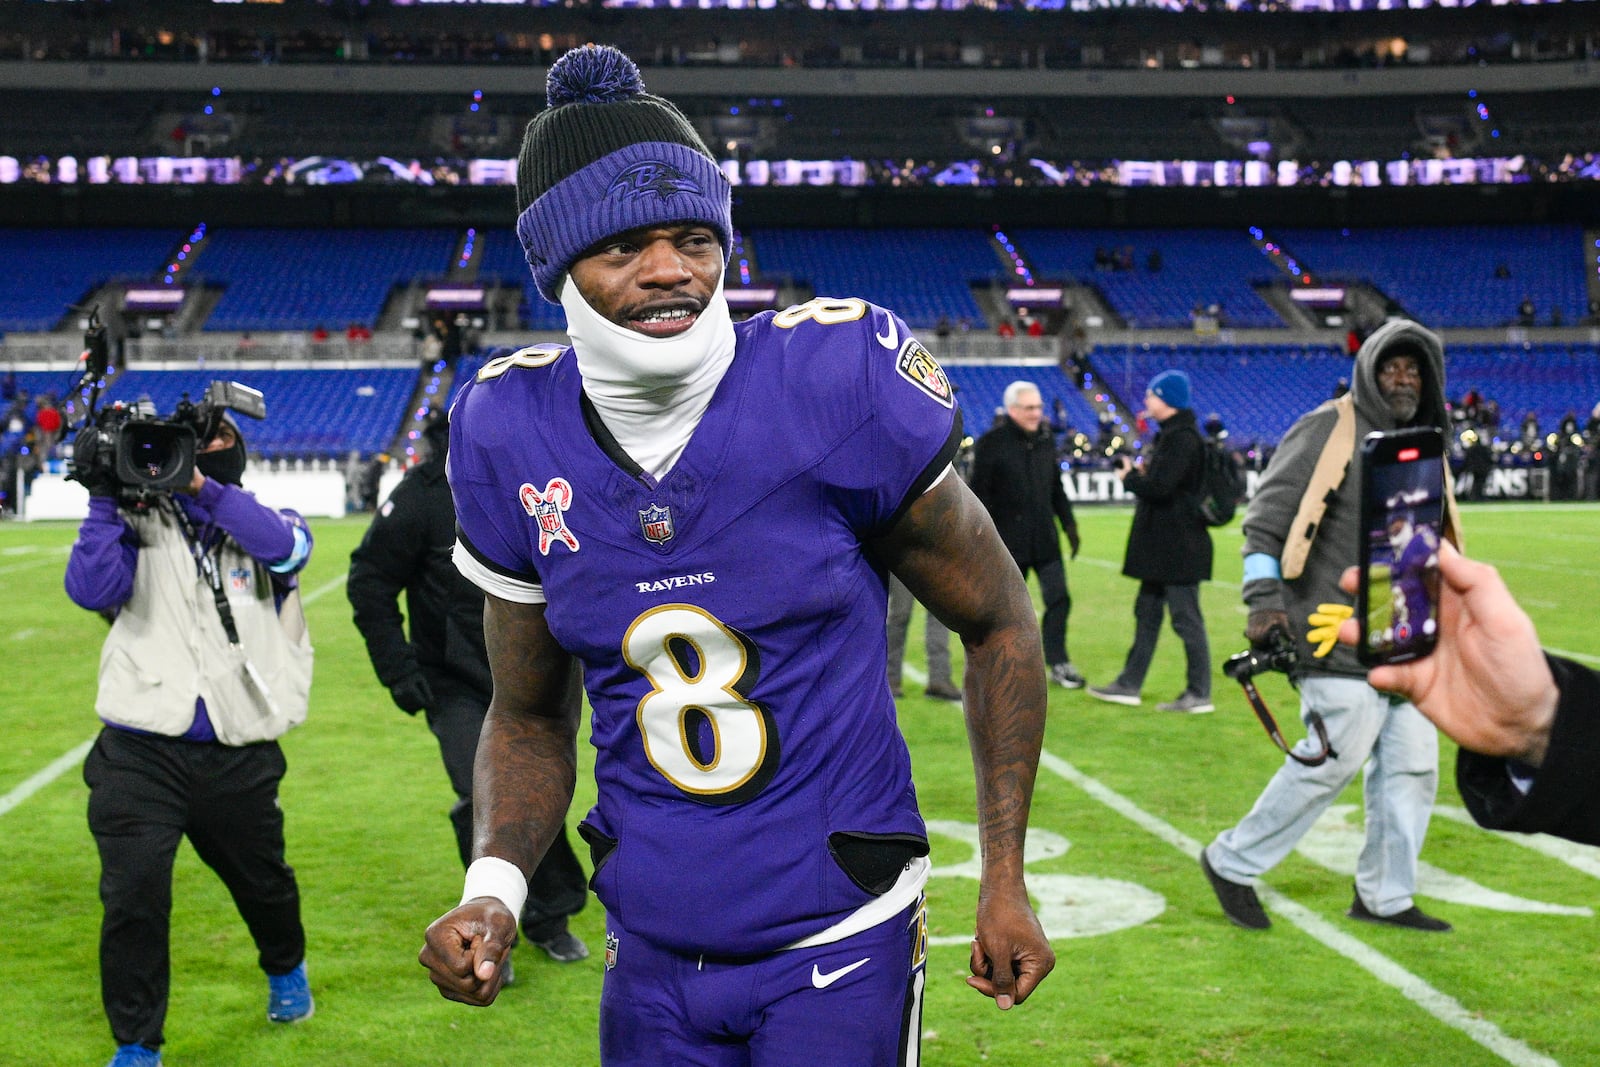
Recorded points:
1169,548
1016,475
443,669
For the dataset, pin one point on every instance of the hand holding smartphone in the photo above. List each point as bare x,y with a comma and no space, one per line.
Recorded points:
1402,518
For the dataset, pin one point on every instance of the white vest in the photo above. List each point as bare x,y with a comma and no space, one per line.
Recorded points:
168,646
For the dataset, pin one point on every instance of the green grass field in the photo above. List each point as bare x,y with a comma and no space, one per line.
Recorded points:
1149,973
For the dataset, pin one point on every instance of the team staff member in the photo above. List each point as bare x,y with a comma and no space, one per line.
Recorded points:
1169,549
443,669
1016,476
703,514
204,669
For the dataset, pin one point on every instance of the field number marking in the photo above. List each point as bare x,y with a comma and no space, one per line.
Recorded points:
1067,905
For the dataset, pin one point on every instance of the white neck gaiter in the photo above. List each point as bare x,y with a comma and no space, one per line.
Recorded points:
650,391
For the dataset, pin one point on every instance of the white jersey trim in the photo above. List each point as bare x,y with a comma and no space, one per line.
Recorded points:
493,582
900,896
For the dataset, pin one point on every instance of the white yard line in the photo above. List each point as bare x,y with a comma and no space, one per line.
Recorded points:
322,590
67,760
1585,858
64,763
49,557
1440,1005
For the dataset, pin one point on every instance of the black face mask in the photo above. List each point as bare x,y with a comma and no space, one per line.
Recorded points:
226,465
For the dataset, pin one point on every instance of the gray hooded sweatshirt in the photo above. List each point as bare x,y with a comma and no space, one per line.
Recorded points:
1338,539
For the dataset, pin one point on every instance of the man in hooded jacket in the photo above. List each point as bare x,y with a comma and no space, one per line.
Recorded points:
1398,382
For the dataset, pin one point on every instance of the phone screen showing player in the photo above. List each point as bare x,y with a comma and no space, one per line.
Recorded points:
1402,517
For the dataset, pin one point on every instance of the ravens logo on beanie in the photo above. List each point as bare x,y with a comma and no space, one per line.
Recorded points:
607,157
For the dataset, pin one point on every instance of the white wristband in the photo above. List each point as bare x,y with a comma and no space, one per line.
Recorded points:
490,876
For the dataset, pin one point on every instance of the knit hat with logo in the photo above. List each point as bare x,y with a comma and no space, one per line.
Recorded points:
1172,386
607,157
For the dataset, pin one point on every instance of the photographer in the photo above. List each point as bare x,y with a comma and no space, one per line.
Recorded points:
1291,586
442,670
206,665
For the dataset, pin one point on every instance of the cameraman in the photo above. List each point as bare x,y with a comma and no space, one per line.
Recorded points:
443,668
1398,381
206,665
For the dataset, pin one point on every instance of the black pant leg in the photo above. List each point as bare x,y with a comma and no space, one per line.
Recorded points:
1184,603
456,721
1057,606
558,887
138,802
1148,607
236,827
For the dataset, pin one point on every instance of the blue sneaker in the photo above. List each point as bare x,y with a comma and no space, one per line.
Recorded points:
136,1056
289,997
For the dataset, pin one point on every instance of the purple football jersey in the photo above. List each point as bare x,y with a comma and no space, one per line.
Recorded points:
729,621
1413,607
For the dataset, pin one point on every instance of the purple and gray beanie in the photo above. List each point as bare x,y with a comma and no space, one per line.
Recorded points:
606,157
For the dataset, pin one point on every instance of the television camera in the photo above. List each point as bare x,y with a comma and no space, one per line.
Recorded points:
133,447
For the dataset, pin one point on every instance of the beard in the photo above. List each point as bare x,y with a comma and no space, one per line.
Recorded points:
1403,404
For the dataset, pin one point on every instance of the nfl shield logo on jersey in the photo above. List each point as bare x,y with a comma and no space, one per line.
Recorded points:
611,951
656,522
548,510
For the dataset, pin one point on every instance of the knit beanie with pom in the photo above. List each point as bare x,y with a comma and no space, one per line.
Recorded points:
607,157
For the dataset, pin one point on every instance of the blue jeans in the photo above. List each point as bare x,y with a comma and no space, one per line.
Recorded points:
1400,750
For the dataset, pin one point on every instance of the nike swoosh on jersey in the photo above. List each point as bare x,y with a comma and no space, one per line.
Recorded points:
890,340
823,981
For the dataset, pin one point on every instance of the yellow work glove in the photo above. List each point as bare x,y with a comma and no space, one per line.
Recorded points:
1325,626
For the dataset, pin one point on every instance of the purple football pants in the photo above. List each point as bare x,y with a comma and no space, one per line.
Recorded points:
852,1003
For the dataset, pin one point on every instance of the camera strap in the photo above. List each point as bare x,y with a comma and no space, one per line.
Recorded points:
1259,706
208,570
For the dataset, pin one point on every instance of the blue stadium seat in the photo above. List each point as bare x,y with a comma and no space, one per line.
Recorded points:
1198,268
1257,390
1444,276
301,279
921,275
48,270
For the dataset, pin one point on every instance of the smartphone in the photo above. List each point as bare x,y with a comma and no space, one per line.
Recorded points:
1402,520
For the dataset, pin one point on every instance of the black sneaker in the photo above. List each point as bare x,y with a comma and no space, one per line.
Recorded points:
1413,918
1115,694
564,947
1066,676
944,692
1239,902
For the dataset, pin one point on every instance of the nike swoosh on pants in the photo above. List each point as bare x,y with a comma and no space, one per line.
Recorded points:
823,981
